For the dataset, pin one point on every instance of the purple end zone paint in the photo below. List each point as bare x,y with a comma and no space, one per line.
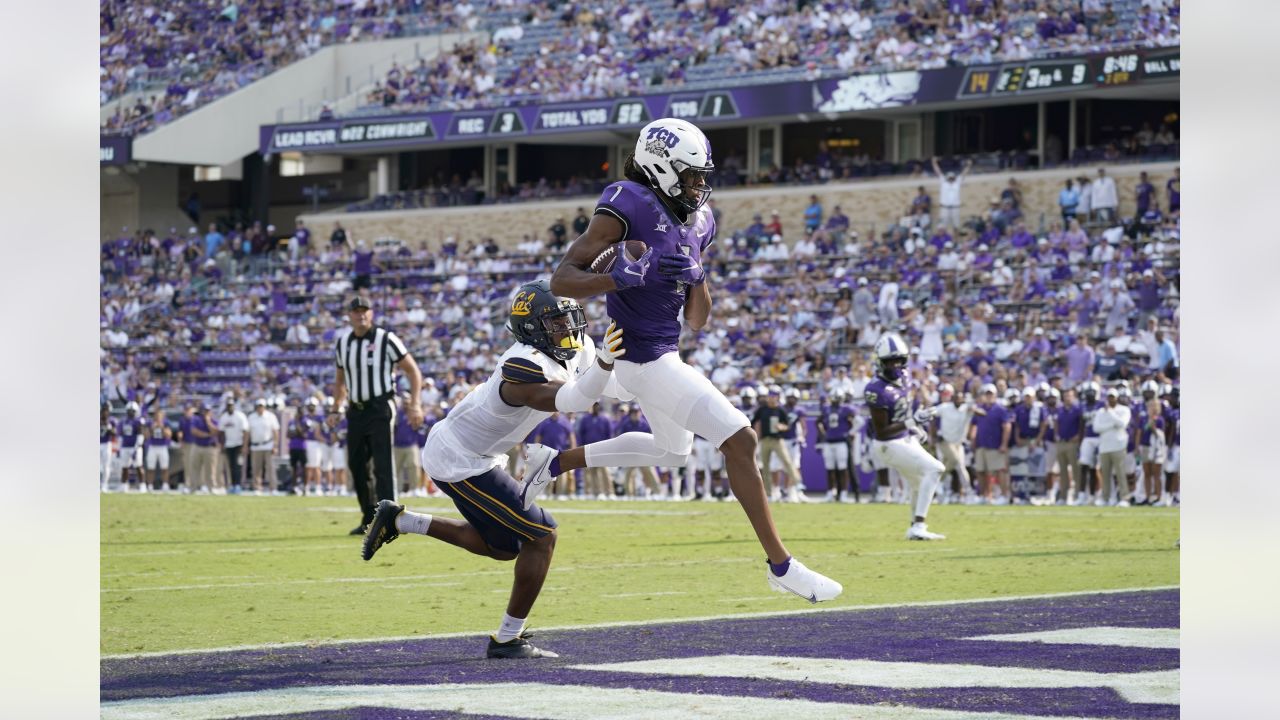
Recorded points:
908,634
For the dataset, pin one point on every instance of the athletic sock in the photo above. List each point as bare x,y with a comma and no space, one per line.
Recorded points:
412,522
510,629
555,466
781,568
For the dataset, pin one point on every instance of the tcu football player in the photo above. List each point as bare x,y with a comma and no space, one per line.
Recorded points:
898,435
553,366
662,204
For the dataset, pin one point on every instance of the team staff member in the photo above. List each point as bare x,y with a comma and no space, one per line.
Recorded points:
232,426
406,451
366,356
770,422
264,434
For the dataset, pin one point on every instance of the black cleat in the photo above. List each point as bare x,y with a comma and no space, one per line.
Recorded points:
383,528
363,527
518,647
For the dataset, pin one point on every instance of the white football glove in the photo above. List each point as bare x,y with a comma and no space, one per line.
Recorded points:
611,349
924,415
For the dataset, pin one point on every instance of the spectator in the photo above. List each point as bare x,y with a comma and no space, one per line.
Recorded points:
1105,200
213,241
1143,194
813,214
1080,360
1173,190
1068,201
949,193
580,222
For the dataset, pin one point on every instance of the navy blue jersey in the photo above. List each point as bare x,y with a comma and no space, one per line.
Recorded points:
648,315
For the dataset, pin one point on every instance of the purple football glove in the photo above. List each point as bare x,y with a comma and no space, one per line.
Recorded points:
681,268
627,273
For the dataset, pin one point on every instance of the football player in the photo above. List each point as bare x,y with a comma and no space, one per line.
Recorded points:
662,202
834,425
553,366
898,433
1088,483
131,435
106,451
1173,440
157,455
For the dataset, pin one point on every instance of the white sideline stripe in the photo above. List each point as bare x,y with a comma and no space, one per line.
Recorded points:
636,623
570,568
1159,686
1169,638
517,700
554,506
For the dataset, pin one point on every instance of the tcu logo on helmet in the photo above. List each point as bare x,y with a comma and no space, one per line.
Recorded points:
661,140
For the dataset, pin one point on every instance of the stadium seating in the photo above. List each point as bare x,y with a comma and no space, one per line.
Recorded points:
180,58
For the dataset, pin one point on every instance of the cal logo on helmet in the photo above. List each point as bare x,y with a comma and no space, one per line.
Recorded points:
522,305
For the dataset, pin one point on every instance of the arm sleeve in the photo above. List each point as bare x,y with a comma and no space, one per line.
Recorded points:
522,370
580,394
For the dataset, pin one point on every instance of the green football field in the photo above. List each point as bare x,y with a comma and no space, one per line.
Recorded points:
182,572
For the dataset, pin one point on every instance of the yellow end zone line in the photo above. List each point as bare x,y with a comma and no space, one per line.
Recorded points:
640,623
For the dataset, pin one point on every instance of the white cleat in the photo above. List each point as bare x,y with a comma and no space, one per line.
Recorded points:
920,531
800,580
537,473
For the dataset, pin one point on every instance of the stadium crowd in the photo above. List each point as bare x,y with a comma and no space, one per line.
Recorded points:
193,325
185,55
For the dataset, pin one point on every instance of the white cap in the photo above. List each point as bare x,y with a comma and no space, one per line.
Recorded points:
988,388
945,388
1148,272
1038,331
1028,392
1112,392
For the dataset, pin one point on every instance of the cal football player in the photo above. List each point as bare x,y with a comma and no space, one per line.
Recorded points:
897,433
552,366
662,202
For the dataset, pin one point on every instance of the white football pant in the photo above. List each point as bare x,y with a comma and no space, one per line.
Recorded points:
918,468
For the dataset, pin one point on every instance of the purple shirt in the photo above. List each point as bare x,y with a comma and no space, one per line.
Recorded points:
1142,194
298,433
404,435
364,262
554,432
990,426
797,417
648,314
1148,295
891,398
594,428
1068,420
1027,421
628,424
199,423
1079,363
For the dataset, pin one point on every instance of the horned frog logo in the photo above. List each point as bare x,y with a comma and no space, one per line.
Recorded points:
522,304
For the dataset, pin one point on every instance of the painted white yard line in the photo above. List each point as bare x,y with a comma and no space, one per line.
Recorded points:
553,506
644,594
1114,636
1141,687
233,551
517,700
640,623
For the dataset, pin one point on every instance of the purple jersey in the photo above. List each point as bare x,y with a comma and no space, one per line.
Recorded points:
839,422
155,434
340,433
316,429
990,426
554,432
648,314
1088,415
130,430
892,399
1173,421
1144,438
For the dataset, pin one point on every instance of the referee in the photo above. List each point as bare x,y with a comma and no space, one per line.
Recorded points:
365,356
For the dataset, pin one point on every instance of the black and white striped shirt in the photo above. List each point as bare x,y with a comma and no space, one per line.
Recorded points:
368,362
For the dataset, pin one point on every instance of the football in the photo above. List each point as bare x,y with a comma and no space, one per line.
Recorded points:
605,260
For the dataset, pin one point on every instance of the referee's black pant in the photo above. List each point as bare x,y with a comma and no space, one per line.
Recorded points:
369,429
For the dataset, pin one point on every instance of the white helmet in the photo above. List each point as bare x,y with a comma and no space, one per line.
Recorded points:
1151,386
890,357
133,407
676,157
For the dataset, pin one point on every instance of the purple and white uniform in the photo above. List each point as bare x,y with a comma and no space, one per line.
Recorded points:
838,423
901,451
131,429
1089,446
678,400
157,446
